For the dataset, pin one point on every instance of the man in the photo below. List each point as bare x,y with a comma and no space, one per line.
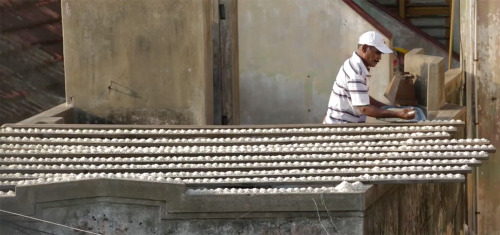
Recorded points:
349,100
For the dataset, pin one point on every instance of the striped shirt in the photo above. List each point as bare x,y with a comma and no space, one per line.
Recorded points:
349,90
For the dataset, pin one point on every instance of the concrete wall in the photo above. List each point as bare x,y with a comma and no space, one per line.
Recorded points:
112,206
140,61
139,207
433,208
488,92
404,36
289,55
456,29
115,216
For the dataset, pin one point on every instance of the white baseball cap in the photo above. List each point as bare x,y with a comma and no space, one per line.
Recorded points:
372,38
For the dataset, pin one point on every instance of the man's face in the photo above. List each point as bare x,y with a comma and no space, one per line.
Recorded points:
371,55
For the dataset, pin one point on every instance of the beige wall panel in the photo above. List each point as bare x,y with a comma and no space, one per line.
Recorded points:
488,46
488,93
139,61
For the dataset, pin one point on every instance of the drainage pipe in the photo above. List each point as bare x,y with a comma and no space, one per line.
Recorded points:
475,84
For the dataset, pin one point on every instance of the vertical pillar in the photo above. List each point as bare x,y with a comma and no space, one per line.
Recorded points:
402,6
429,83
139,62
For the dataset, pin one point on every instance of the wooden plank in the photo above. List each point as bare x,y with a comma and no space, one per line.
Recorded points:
210,169
193,127
17,178
229,63
273,176
298,183
402,6
186,143
221,134
419,11
318,183
216,50
6,188
290,150
222,160
213,135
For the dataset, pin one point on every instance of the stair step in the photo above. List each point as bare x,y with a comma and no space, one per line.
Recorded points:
414,2
437,32
431,16
430,21
422,11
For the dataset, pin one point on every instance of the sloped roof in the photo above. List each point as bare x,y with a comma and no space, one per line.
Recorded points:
31,58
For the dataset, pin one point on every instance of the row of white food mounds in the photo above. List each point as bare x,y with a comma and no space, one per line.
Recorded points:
249,181
211,177
359,144
339,140
384,156
416,137
438,125
222,160
263,173
287,148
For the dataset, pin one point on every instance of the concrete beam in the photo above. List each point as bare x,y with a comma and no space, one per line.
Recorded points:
62,113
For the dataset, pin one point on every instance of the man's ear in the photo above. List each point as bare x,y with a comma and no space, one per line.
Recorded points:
364,48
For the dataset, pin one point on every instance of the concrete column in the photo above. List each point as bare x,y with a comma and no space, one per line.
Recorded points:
429,83
140,62
480,59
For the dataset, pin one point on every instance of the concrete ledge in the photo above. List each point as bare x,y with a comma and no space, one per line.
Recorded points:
28,196
271,202
416,51
60,114
181,205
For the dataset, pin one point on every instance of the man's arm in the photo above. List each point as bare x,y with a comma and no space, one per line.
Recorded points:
376,103
376,112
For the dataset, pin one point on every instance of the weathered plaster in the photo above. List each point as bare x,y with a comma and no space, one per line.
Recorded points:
112,206
488,111
488,91
153,56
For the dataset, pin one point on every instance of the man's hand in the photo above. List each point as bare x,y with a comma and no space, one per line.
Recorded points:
373,111
407,113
